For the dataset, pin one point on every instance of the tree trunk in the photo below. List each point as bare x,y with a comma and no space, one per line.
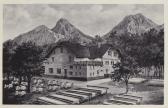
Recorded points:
126,84
28,81
8,74
20,79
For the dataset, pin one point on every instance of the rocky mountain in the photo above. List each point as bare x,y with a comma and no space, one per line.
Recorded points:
157,28
133,24
65,28
41,35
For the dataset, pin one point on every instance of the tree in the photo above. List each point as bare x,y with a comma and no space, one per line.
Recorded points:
124,70
128,66
7,56
27,61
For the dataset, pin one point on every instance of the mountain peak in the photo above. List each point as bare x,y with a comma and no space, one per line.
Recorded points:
64,27
40,28
133,24
139,14
63,20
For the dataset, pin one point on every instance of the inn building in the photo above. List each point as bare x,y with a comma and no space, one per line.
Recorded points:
75,61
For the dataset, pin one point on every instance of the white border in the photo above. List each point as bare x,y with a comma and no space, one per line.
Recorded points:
165,2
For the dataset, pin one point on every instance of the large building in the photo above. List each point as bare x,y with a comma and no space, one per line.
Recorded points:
76,61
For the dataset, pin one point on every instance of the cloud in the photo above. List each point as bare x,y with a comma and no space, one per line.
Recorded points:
92,19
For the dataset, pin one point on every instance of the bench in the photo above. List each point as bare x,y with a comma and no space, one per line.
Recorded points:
93,94
122,101
50,101
79,92
60,99
73,100
132,96
84,97
120,97
90,90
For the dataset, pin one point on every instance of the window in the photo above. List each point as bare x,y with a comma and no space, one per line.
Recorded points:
93,73
61,49
112,62
90,74
79,73
93,67
79,67
50,70
76,73
58,71
71,73
115,54
106,70
76,67
90,67
98,72
109,53
107,62
71,67
52,59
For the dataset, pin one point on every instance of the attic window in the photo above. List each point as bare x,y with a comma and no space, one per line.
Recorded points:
52,59
109,53
115,54
61,49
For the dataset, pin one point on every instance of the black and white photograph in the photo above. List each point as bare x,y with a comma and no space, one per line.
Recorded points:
83,54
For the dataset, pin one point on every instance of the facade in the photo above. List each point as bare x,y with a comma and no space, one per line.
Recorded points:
80,62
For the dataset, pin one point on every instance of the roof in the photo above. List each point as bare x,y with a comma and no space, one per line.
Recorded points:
81,51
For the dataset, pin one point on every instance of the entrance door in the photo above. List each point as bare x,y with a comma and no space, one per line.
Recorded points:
65,73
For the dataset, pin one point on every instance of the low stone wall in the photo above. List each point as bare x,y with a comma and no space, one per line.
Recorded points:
76,78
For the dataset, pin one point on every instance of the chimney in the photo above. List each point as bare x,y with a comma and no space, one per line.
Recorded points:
99,44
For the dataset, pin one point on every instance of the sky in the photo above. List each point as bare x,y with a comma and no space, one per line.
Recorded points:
91,19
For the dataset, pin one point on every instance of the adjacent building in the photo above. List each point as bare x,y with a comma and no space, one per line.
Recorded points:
75,61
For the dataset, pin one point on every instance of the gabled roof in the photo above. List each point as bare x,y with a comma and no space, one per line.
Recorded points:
81,51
